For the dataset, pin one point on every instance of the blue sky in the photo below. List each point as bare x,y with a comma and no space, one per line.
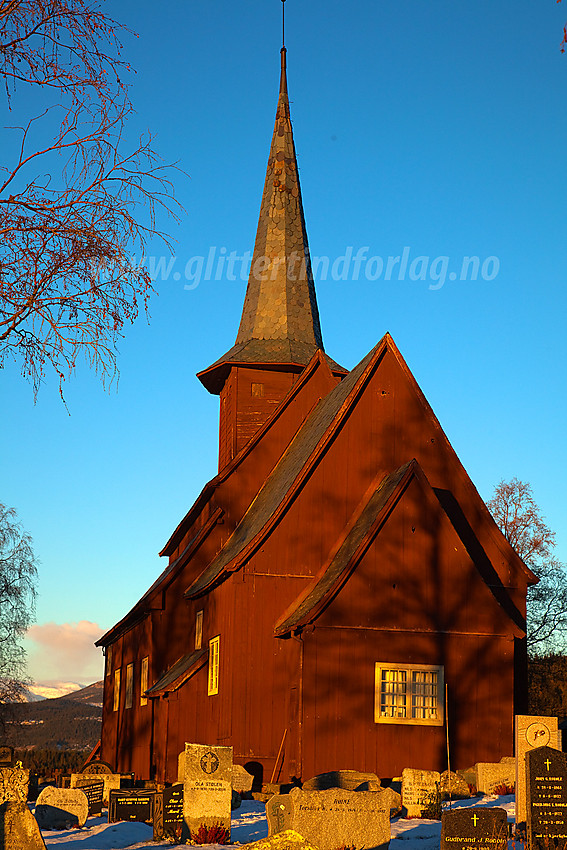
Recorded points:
439,127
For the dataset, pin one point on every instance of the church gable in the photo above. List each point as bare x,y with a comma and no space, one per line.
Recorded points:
402,566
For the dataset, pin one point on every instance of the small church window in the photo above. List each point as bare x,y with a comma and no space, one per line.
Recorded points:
411,694
257,390
214,658
128,699
199,630
116,702
108,658
144,680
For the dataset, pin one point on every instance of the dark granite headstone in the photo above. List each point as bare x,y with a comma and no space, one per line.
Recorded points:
168,814
546,798
6,756
94,792
131,806
474,829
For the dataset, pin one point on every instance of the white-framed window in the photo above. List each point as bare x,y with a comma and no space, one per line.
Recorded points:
116,702
408,693
198,630
144,680
214,658
129,696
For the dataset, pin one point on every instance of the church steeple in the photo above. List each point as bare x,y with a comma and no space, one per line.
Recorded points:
279,329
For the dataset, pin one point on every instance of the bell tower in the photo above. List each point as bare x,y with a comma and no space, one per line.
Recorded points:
279,330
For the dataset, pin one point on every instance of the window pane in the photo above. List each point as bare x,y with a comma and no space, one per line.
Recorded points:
144,681
129,685
214,657
116,689
393,691
424,695
199,630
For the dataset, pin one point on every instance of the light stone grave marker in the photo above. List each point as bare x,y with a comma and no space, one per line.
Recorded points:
489,775
61,808
531,732
421,796
348,780
288,840
111,782
14,783
18,828
241,779
207,792
333,818
453,786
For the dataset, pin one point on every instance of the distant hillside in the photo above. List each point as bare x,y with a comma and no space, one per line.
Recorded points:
66,723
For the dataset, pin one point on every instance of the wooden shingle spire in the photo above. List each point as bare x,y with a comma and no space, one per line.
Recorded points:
280,319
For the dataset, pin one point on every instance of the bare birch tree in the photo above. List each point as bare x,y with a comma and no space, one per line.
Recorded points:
520,519
75,202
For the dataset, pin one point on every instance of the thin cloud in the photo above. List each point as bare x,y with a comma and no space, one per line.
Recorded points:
64,652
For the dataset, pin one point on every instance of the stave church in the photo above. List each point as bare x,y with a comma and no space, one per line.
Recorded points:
339,590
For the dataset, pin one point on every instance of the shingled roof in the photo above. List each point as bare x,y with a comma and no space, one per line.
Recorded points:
290,468
280,318
179,672
309,603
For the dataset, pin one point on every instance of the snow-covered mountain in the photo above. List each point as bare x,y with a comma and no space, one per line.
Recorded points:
59,689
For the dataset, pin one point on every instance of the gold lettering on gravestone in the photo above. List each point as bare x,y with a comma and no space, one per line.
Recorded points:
475,830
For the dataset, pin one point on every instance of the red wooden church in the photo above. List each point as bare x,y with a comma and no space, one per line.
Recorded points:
337,577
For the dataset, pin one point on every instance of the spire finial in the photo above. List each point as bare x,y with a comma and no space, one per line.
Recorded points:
283,24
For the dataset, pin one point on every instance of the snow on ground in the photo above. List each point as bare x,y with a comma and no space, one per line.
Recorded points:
249,824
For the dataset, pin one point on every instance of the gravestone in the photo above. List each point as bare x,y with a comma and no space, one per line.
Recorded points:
181,767
18,828
421,796
6,756
94,792
111,782
14,782
207,793
391,798
489,775
348,780
168,814
98,767
453,786
287,840
333,818
241,780
61,808
531,731
546,798
474,829
131,806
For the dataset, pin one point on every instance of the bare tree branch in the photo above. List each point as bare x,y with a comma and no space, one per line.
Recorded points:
74,205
